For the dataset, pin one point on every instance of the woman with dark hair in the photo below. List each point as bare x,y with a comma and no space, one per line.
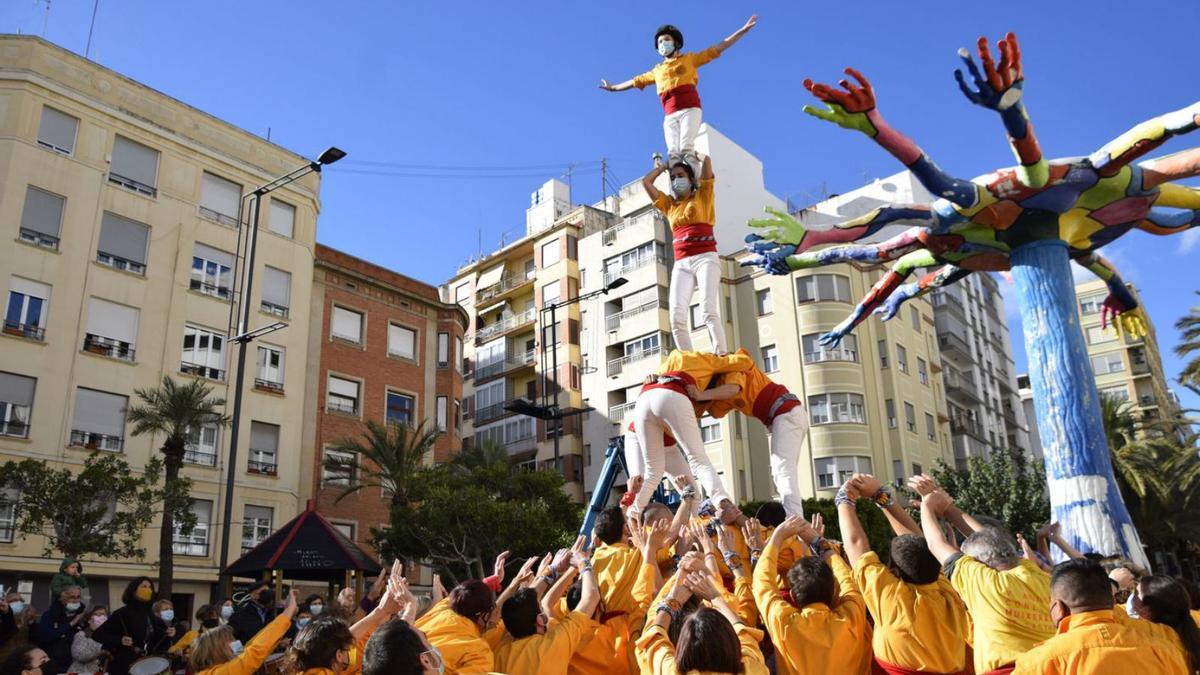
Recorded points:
399,649
86,653
129,632
711,640
1164,601
25,660
322,647
218,651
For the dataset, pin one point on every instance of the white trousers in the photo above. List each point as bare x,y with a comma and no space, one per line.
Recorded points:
680,129
659,410
787,433
635,461
701,272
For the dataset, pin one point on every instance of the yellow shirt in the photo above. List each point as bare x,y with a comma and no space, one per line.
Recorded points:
1009,610
1096,643
656,654
698,207
702,366
671,73
545,654
814,639
616,567
256,651
181,647
791,551
608,648
463,649
919,627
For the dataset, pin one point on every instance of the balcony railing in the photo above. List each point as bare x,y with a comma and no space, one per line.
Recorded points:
615,366
969,427
260,467
207,372
272,308
519,445
507,283
342,407
489,412
494,368
131,184
217,216
113,349
644,261
268,385
221,292
25,330
117,262
200,457
616,413
94,441
831,354
610,234
187,547
505,325
613,321
38,239
15,428
951,342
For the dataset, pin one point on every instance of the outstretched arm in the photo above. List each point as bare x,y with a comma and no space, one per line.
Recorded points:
853,107
1176,166
620,86
999,88
1120,305
648,182
932,506
880,291
940,278
1144,138
854,537
737,35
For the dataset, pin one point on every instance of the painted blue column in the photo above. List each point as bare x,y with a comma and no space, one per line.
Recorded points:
1083,493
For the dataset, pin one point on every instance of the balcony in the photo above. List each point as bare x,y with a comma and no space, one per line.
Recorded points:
968,427
831,354
519,445
610,234
273,309
962,384
644,261
616,366
333,405
261,468
954,346
268,386
199,370
616,413
119,263
499,367
184,546
199,457
218,217
613,321
507,283
505,325
90,440
25,330
489,412
38,239
113,349
131,184
212,290
15,428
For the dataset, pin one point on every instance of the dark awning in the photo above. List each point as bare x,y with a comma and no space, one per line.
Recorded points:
309,548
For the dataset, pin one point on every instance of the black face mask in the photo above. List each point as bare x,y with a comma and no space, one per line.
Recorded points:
266,598
210,623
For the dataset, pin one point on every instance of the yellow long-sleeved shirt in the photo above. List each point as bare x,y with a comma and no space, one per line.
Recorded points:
919,627
698,208
1009,609
616,567
675,72
256,651
181,647
656,655
463,649
545,654
815,638
608,649
702,366
1096,643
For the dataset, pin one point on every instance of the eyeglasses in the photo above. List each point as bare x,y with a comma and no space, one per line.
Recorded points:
435,656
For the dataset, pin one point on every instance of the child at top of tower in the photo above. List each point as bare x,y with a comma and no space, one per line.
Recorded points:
675,80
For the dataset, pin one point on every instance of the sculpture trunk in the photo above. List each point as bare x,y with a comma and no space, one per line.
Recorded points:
1083,491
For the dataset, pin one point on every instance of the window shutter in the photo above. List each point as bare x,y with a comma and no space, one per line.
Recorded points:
281,218
135,161
213,255
99,412
57,129
112,321
220,195
277,287
264,436
123,238
16,389
43,212
347,388
347,324
572,247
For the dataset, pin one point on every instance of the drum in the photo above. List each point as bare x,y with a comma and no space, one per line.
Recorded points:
274,664
150,665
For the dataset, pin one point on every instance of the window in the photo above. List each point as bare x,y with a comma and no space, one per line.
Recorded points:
832,472
277,291
459,363
632,259
1091,304
883,354
347,529
462,293
898,470
1101,365
134,166
220,199
195,543
402,341
98,422
823,288
28,309
764,302
16,404
341,396
122,243
710,429
550,253
8,515
212,271
201,445
815,352
256,525
910,417
264,448
551,293
457,414
41,218
1121,394
57,131
902,358
346,324
890,408
915,316
770,359
269,372
647,344
443,350
442,411
111,329
930,429
837,408
489,401
696,317
400,408
203,353
346,470
281,218
922,371
1097,335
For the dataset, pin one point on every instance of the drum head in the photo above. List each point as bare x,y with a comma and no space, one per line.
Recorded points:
151,665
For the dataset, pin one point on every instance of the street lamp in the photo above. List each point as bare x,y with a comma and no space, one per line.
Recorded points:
245,336
550,411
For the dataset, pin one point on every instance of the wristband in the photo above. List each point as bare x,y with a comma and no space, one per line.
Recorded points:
688,492
816,545
665,608
731,556
884,498
548,581
671,604
842,498
586,567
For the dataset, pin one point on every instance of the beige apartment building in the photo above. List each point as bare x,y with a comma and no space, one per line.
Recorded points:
120,206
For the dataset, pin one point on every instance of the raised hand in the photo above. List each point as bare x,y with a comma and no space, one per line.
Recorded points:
637,536
780,228
701,585
700,536
606,86
868,485
525,575
657,537
439,591
998,87
750,23
752,531
818,524
725,540
938,501
849,107
691,561
922,484
562,561
498,567
772,258
1125,320
888,308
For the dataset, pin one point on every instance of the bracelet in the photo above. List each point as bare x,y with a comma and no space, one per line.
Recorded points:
665,608
546,579
688,492
586,567
671,604
884,497
731,556
842,498
755,552
816,545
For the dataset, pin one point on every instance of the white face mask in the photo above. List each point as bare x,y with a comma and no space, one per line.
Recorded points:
236,647
73,607
316,609
168,615
435,656
226,612
681,186
666,47
16,607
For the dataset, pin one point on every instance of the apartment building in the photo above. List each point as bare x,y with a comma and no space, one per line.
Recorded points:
390,352
121,205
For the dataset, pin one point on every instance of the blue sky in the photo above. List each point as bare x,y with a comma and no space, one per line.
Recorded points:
504,93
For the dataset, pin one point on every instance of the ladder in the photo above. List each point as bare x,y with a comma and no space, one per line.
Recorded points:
614,465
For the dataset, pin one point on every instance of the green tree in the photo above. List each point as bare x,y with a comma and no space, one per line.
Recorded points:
176,411
1189,346
878,530
394,454
1005,486
101,510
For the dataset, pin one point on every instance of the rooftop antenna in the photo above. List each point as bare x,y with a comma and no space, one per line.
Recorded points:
95,7
603,179
46,19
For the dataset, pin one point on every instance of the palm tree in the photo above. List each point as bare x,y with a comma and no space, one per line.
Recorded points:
176,411
1189,345
394,454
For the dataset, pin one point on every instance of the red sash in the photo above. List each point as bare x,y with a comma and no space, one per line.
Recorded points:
1002,670
879,667
682,97
678,381
766,398
693,239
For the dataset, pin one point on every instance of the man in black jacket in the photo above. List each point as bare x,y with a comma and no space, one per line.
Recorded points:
255,613
57,627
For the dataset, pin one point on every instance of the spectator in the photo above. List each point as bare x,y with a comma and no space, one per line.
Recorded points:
207,616
456,626
70,573
26,660
56,630
16,624
218,651
315,604
256,612
1165,602
321,647
165,630
226,612
129,631
88,655
400,649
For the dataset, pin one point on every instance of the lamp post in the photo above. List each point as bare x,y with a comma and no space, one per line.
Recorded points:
245,336
550,411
